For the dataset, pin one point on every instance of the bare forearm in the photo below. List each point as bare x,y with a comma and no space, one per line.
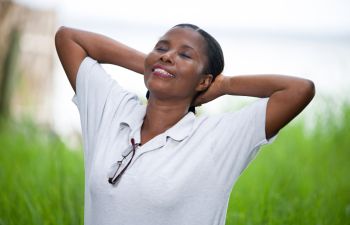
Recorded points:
262,85
106,50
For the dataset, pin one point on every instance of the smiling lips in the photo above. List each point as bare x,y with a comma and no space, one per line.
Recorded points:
162,73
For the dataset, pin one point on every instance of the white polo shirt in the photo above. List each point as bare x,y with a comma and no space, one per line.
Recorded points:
182,176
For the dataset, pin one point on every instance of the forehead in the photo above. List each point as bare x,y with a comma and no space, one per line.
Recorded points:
185,37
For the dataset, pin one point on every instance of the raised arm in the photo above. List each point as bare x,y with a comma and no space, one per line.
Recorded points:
74,45
288,96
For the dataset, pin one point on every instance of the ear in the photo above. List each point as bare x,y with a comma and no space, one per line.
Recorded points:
204,82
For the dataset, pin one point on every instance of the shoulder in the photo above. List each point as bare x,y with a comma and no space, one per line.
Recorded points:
89,64
256,108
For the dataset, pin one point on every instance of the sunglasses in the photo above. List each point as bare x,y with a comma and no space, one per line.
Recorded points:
114,175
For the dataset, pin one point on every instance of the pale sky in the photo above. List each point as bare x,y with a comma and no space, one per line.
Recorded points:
327,16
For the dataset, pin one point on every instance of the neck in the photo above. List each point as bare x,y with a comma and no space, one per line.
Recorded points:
160,116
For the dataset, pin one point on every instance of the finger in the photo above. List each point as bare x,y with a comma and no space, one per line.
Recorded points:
197,102
201,99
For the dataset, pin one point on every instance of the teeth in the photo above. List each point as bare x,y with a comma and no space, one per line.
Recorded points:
163,72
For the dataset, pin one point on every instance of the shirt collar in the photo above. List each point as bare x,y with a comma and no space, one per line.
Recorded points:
178,132
183,128
134,119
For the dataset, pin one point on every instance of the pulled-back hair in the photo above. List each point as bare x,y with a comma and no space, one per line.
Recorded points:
214,54
213,50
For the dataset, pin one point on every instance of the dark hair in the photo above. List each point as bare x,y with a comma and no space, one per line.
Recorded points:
214,53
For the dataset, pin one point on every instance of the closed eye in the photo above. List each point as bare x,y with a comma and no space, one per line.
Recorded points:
160,49
184,55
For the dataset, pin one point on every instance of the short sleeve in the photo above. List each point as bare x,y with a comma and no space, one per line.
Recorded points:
92,81
94,88
239,136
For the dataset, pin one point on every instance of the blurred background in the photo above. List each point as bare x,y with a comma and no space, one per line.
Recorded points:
309,39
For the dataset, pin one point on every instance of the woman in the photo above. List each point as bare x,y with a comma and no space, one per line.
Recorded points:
159,164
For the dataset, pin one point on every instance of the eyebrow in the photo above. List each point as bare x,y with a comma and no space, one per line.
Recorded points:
168,42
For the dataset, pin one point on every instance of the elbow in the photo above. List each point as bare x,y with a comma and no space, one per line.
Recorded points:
310,89
62,34
62,30
306,90
59,36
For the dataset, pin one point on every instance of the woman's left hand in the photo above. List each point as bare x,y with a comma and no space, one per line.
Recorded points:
215,90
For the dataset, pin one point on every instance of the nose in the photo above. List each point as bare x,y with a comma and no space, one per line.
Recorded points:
167,57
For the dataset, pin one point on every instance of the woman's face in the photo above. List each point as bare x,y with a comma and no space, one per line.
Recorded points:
174,68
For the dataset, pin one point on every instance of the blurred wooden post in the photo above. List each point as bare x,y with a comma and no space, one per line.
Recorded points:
9,74
26,62
7,30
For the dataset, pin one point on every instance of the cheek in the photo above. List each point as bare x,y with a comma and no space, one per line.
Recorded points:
146,79
149,60
193,73
146,63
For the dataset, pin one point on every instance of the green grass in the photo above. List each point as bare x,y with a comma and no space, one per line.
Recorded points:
41,181
302,178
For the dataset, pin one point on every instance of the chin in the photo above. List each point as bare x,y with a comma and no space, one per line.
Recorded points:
159,94
157,86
